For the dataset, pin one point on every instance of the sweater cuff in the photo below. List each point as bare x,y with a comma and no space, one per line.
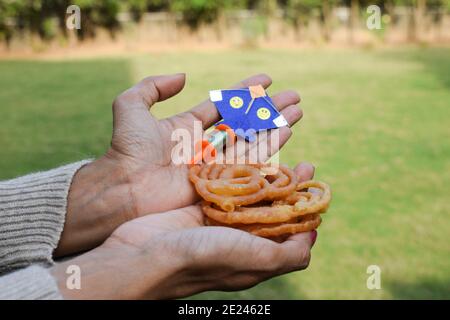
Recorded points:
32,283
32,215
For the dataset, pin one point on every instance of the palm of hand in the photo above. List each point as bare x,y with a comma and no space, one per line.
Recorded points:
143,144
231,258
182,230
137,177
237,259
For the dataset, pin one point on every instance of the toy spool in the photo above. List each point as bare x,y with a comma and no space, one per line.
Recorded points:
206,150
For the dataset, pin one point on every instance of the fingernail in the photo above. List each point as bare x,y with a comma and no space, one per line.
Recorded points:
313,237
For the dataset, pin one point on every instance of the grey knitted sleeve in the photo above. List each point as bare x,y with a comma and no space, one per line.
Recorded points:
32,283
32,214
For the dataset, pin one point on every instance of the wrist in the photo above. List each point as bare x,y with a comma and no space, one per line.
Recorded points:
120,272
97,203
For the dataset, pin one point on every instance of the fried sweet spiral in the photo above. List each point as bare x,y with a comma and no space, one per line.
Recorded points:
297,225
316,200
298,203
229,186
265,200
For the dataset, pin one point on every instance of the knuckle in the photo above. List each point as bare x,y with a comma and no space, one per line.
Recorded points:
149,80
119,101
125,98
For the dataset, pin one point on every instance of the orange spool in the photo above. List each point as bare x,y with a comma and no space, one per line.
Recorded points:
206,150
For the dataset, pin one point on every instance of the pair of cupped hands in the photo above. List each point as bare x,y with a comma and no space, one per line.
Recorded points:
135,215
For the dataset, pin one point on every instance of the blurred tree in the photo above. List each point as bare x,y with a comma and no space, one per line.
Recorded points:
196,12
356,6
419,17
137,8
415,14
354,16
47,18
298,12
9,14
327,7
158,5
98,13
267,8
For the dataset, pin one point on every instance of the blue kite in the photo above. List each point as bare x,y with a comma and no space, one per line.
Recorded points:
247,111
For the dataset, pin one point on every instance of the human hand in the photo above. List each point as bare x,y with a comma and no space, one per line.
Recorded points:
136,176
172,255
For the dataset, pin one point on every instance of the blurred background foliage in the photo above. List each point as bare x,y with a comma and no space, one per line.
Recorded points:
46,18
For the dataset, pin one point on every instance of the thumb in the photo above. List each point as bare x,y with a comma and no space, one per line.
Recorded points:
159,88
296,250
147,92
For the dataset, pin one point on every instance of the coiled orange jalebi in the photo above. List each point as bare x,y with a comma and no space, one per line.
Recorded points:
264,200
296,225
229,186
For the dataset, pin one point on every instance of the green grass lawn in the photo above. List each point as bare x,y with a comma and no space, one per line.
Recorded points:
376,126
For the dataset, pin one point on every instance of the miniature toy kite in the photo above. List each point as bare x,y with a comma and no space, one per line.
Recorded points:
245,112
